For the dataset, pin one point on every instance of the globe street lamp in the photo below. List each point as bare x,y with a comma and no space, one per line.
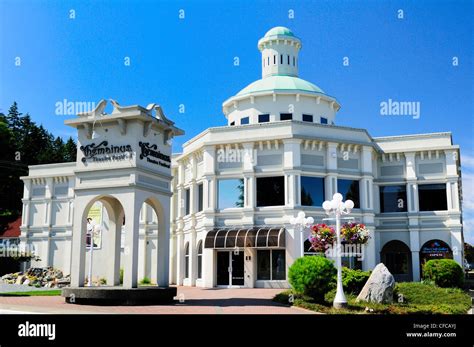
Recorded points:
337,208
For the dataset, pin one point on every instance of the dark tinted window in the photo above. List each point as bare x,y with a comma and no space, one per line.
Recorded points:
270,191
312,191
432,197
263,265
187,202
324,120
393,199
200,197
307,118
278,264
286,116
349,190
244,120
232,123
263,118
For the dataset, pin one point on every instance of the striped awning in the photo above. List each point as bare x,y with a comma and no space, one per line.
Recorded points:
254,237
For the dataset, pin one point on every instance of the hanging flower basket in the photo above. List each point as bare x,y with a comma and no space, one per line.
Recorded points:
323,236
354,233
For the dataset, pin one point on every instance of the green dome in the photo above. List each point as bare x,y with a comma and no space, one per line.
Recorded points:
279,31
280,83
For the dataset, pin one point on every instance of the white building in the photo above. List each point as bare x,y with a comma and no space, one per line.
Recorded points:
236,187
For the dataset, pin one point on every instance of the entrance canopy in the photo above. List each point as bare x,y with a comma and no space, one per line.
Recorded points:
253,237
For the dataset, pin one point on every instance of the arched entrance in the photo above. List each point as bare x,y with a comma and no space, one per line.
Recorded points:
434,249
103,218
396,256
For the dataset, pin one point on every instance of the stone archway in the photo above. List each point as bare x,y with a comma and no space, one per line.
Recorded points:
111,239
396,256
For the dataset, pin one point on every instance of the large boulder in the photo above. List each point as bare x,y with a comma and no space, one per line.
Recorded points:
379,286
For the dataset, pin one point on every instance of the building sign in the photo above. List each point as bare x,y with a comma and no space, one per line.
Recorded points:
435,250
153,155
105,152
94,225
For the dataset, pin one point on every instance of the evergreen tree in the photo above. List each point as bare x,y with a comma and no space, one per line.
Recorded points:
70,150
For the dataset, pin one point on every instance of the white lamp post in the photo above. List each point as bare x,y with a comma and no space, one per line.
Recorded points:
337,208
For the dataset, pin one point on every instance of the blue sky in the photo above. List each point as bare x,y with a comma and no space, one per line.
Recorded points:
190,61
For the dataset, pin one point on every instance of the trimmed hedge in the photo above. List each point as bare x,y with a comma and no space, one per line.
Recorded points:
444,273
313,276
354,280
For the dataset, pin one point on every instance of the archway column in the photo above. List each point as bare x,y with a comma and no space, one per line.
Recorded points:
114,233
163,254
132,225
78,243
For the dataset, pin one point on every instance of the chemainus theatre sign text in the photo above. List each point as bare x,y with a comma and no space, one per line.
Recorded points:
105,152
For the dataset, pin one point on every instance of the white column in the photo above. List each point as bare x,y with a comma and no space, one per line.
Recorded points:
179,258
78,244
163,251
113,238
208,261
415,253
132,224
457,245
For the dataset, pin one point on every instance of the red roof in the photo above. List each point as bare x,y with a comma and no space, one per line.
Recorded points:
13,229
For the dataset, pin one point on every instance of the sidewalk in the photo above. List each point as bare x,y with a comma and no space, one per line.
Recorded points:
192,300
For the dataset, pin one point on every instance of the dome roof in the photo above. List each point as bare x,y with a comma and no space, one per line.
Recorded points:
280,83
279,31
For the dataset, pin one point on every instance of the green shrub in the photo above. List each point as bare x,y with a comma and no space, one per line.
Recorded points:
145,280
354,280
444,272
312,276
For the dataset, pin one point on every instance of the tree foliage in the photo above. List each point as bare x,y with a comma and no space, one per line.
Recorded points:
25,143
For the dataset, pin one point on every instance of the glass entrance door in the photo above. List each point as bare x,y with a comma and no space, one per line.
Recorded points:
230,268
237,274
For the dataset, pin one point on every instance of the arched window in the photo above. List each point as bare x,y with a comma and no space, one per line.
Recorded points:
199,260
186,260
396,256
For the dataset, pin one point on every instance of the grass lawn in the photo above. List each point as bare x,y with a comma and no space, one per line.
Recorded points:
415,297
56,292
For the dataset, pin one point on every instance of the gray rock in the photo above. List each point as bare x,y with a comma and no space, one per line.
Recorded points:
379,286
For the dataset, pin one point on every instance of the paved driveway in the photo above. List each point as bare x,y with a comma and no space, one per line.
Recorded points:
191,301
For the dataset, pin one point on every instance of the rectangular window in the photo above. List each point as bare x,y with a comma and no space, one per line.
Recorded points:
187,202
271,265
312,191
244,120
393,199
308,118
294,61
263,118
270,191
288,60
324,120
281,58
200,196
230,193
432,197
349,190
274,59
286,116
268,61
